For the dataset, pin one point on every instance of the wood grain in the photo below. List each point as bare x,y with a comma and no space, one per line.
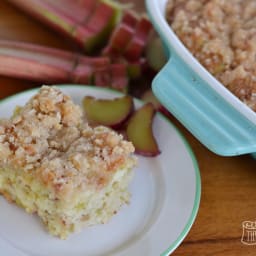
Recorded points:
228,183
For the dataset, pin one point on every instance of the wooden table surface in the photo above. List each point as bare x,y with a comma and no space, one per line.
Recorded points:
228,183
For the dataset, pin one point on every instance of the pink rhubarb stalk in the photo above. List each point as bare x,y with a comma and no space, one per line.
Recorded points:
47,65
86,22
52,66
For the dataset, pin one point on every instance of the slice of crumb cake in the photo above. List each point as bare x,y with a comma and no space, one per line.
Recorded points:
54,164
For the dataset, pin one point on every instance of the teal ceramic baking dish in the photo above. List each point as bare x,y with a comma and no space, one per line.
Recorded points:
218,119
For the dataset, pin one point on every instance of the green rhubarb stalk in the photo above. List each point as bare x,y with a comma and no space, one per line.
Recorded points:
86,22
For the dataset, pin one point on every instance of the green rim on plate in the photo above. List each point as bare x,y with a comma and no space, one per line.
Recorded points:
196,204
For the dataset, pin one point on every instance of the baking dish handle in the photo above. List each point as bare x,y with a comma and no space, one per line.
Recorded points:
203,111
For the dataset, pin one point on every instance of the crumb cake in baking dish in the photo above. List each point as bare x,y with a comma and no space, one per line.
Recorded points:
221,34
54,164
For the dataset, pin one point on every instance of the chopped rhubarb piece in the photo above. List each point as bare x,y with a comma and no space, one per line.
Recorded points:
155,53
122,34
130,18
45,64
114,76
81,68
100,18
119,77
99,25
86,22
137,68
143,28
134,49
139,41
139,131
129,39
119,39
102,77
109,112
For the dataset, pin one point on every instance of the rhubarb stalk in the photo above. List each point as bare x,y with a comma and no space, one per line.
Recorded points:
45,64
50,66
86,22
93,25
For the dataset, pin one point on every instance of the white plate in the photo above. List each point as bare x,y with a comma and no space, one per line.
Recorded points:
165,199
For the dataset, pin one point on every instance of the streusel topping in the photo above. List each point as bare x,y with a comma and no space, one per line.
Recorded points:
221,34
49,138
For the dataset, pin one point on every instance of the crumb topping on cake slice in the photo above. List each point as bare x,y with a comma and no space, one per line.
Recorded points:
49,139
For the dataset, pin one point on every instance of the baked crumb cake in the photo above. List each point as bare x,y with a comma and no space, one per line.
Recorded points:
221,34
54,164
